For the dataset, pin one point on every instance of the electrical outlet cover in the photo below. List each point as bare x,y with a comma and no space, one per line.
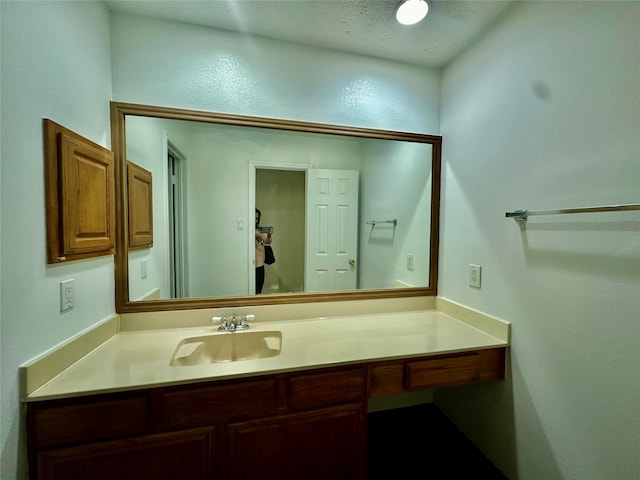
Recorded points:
410,261
66,295
475,272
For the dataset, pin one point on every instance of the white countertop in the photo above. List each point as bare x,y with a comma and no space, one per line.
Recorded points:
133,360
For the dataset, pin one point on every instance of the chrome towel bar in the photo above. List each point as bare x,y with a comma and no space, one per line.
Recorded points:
522,215
375,222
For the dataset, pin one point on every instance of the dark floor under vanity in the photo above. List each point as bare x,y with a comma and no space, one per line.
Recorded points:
420,442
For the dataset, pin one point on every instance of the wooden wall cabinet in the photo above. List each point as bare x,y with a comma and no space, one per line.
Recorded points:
80,196
140,206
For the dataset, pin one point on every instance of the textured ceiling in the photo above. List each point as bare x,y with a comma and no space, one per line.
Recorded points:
366,27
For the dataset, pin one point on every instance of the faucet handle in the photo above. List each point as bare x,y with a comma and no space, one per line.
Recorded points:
243,321
222,320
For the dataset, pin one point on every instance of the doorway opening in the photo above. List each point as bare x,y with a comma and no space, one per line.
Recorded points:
314,214
280,194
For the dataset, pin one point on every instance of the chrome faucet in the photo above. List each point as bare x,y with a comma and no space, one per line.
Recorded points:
235,322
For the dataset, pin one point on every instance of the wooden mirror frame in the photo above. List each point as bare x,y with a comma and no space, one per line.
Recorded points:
118,143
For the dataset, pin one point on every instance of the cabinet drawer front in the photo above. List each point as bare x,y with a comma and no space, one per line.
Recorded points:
442,372
91,421
324,389
213,404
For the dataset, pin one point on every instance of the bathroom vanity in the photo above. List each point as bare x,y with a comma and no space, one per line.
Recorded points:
158,392
122,411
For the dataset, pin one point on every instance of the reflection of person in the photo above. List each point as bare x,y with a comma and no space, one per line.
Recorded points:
262,238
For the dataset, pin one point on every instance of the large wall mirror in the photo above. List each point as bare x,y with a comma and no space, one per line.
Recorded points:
354,211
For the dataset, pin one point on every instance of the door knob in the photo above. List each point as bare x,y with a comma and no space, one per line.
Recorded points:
352,262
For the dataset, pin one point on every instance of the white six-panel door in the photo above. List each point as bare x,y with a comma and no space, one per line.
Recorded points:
332,226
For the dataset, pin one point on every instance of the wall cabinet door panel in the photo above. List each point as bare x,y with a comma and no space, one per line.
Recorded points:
140,206
87,197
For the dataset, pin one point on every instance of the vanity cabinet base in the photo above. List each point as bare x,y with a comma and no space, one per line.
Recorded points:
307,424
283,427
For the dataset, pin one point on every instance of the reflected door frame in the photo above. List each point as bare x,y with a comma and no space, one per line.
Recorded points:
177,177
253,166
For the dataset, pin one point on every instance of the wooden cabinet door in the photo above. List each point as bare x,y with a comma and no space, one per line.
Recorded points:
167,456
317,445
80,193
140,206
87,197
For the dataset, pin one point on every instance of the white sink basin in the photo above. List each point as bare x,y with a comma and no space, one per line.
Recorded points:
227,347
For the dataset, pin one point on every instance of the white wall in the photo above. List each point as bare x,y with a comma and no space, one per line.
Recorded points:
146,147
172,64
219,160
395,184
544,113
55,64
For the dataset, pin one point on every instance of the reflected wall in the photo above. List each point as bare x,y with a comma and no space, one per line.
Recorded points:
219,187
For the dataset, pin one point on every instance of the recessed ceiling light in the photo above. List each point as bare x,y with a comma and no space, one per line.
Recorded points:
409,12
